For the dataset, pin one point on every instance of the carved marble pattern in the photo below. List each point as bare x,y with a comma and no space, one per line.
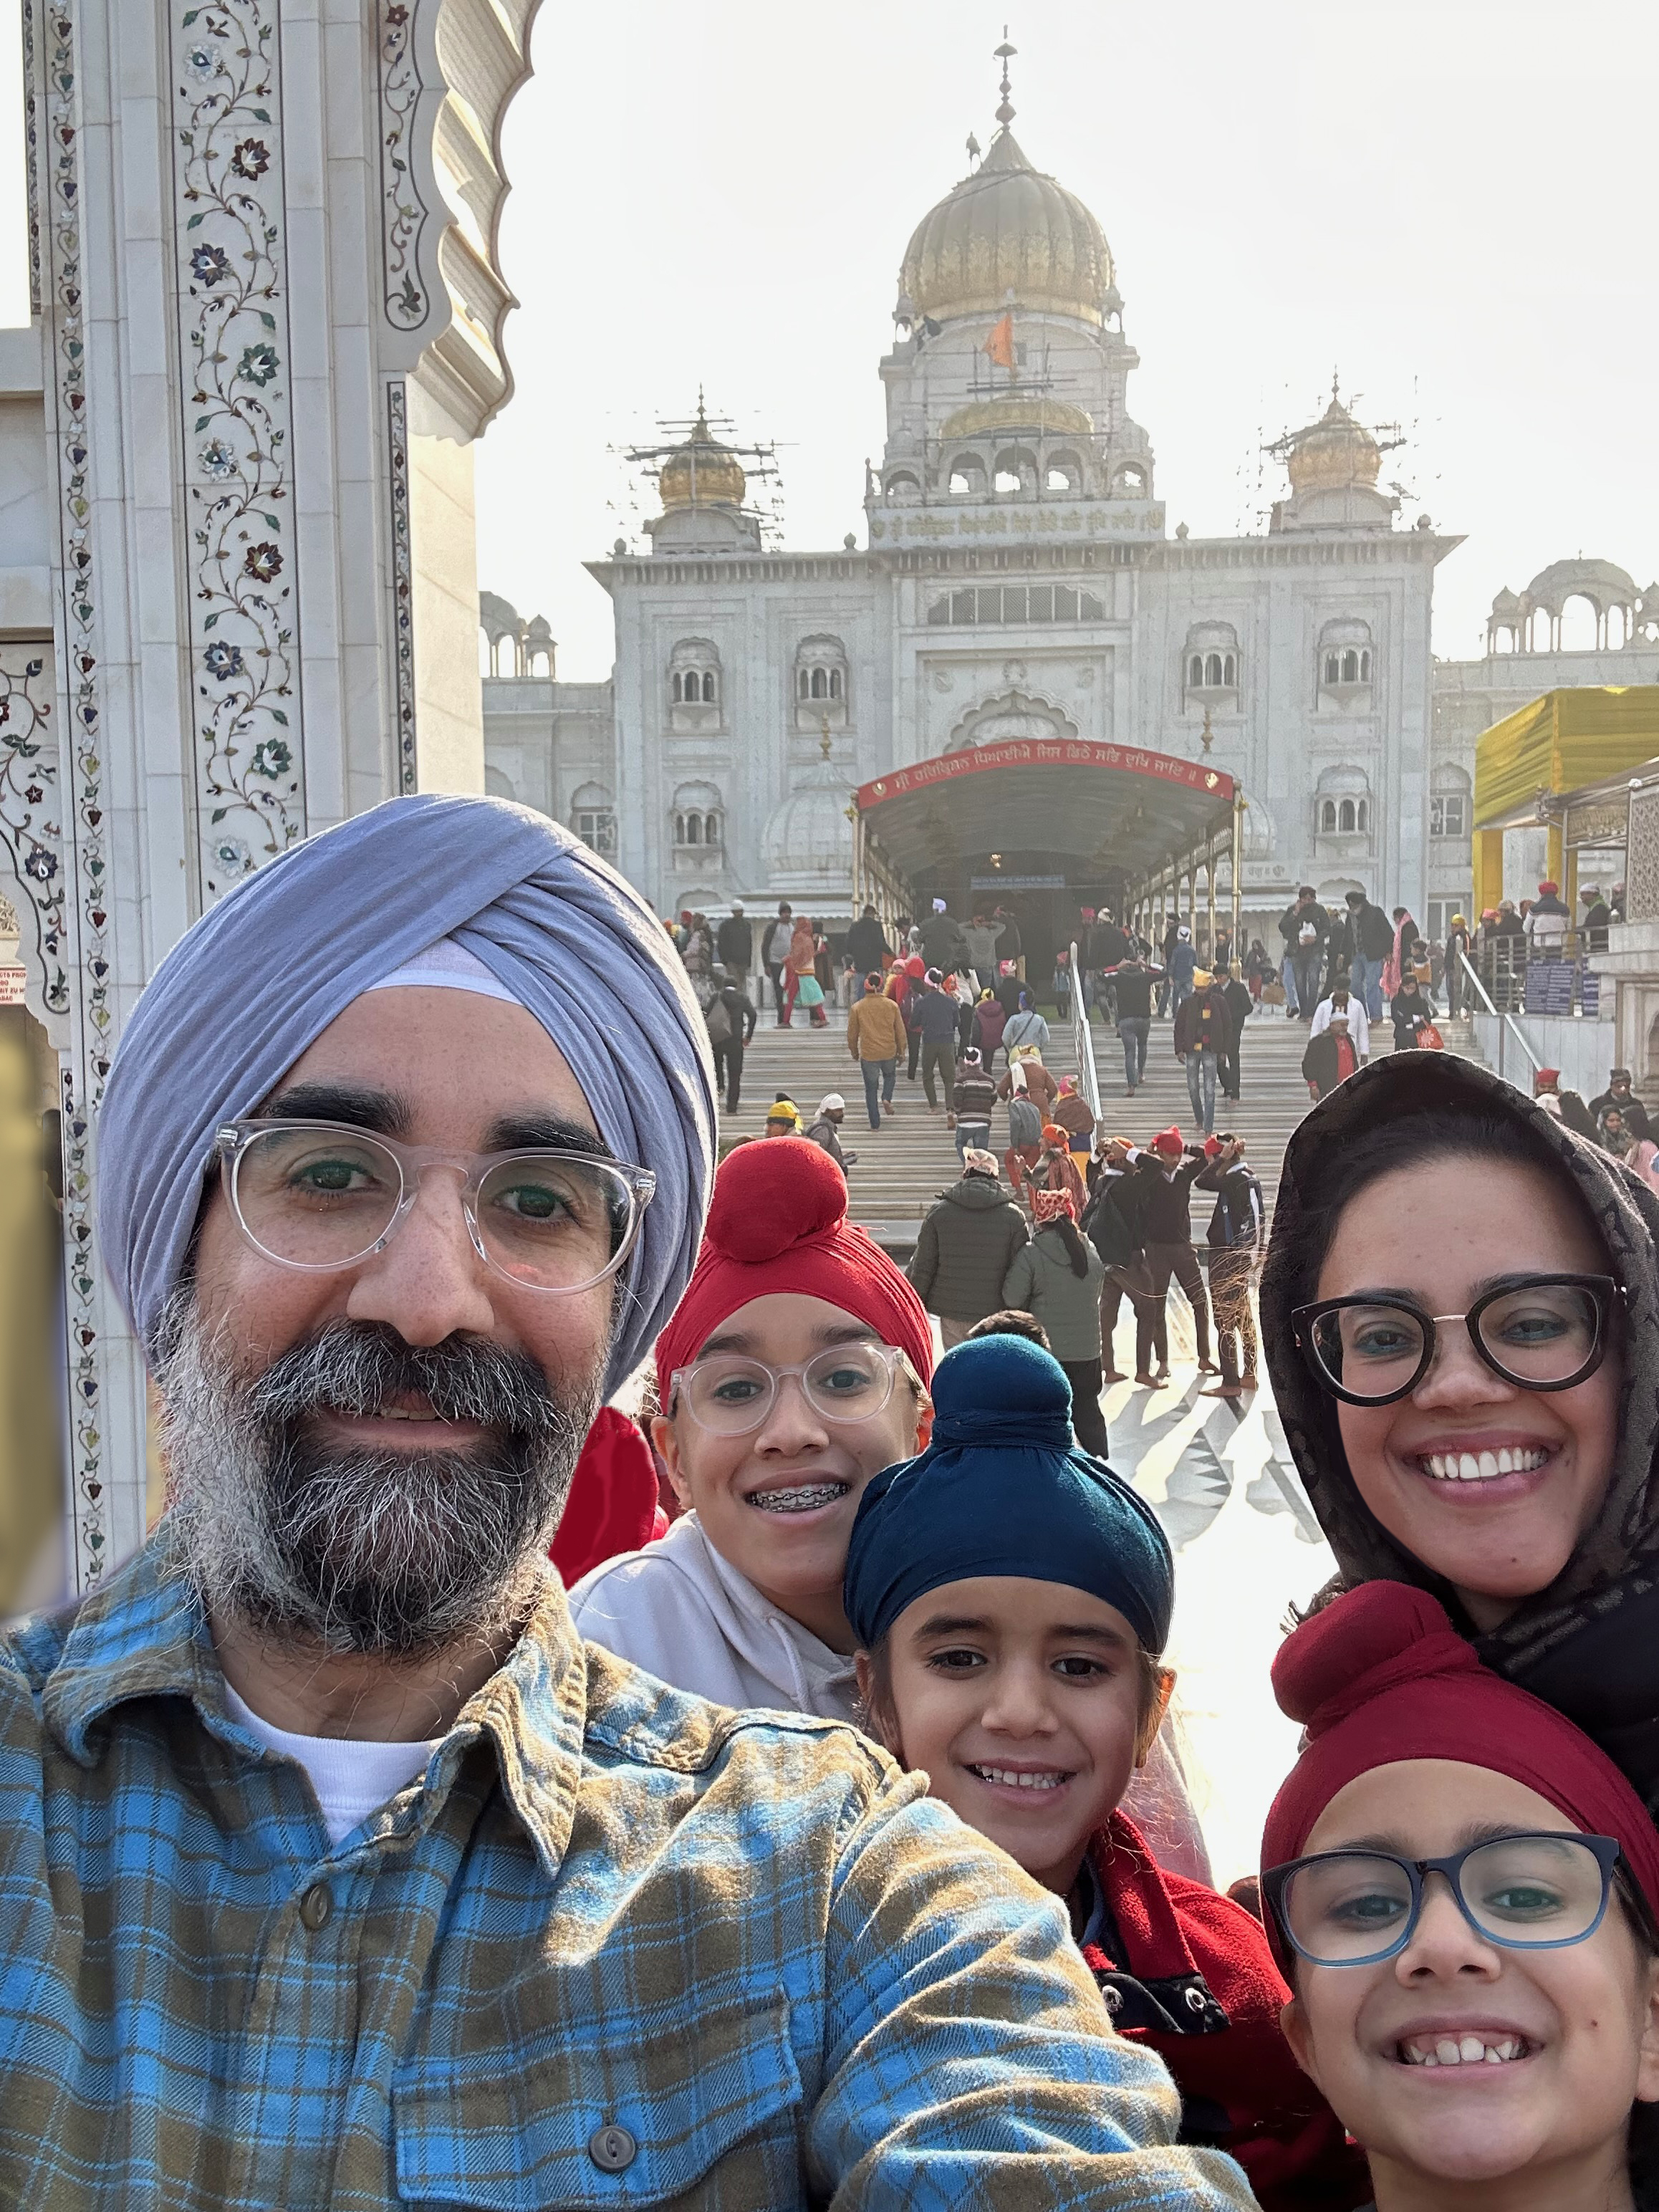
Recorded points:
90,888
1642,858
29,809
404,215
237,456
403,578
30,129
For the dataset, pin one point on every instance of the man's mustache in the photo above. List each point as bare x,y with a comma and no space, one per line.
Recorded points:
359,1367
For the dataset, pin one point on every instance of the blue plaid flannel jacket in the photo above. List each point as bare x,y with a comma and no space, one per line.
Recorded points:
616,1947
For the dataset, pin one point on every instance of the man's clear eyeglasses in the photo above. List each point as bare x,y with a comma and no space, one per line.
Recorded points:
321,1195
1527,1892
729,1394
1539,1332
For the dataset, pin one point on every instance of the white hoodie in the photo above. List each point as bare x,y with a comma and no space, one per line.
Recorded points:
686,1614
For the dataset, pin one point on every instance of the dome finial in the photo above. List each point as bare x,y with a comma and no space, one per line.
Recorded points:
1004,53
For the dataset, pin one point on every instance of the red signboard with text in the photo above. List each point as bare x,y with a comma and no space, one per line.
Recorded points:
1063,753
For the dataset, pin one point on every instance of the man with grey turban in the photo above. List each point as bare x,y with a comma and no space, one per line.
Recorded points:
336,1869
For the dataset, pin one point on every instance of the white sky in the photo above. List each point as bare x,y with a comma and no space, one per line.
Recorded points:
1452,202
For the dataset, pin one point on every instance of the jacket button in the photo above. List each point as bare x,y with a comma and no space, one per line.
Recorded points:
316,1905
612,2149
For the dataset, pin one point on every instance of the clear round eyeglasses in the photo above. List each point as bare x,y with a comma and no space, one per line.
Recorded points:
320,1196
1539,1332
729,1394
1527,1892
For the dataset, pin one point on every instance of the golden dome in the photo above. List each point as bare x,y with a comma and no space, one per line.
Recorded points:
986,417
1335,454
702,472
1006,230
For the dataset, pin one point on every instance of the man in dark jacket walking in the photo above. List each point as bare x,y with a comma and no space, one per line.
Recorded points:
936,1023
1237,1229
867,944
1009,944
1112,1223
966,1246
1132,983
1304,927
1203,1037
734,944
1371,941
1240,1007
730,1015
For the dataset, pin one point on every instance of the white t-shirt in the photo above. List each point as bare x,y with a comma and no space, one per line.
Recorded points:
351,1778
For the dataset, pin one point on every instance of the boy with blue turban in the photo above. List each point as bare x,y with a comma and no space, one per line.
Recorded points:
1011,1599
335,1867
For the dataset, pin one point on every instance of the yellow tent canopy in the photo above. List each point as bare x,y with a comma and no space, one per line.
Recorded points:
1558,742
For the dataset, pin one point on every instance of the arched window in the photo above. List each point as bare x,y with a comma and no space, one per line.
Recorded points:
1212,672
821,687
1209,663
1344,657
593,817
1365,814
965,479
1327,816
820,682
698,818
1345,814
1229,670
1195,671
694,681
834,684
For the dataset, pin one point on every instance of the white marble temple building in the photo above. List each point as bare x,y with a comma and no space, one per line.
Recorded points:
1019,579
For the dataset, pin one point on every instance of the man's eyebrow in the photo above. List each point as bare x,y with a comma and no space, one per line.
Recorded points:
533,1132
359,1105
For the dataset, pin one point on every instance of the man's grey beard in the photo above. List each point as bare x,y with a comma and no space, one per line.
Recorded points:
404,1554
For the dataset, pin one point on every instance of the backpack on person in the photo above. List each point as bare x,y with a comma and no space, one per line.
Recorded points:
719,1018
1024,1123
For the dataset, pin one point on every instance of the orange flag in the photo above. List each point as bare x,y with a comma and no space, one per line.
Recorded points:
1000,344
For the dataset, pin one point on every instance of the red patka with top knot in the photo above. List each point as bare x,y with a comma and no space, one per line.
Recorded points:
1382,1676
778,1222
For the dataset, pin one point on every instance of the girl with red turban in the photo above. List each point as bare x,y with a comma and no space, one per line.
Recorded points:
793,1369
1462,1888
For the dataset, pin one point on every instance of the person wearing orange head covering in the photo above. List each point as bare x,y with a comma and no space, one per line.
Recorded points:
795,1368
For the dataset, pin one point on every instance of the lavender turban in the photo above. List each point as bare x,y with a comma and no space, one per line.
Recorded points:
252,983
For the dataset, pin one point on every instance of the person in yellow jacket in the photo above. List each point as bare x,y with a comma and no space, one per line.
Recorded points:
876,1035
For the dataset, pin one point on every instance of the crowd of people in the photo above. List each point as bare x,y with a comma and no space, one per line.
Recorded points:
826,1841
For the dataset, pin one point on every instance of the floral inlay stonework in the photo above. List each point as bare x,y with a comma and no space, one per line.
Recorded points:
237,437
30,811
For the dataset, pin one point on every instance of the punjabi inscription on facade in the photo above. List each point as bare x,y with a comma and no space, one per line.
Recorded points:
238,453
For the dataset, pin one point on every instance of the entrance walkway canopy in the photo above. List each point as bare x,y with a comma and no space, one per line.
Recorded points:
1111,809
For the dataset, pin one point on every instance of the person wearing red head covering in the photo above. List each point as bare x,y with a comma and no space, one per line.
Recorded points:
1167,1170
1462,1888
795,1368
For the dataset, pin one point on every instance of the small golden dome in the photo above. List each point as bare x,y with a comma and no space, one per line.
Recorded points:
702,472
1007,229
986,417
1333,454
